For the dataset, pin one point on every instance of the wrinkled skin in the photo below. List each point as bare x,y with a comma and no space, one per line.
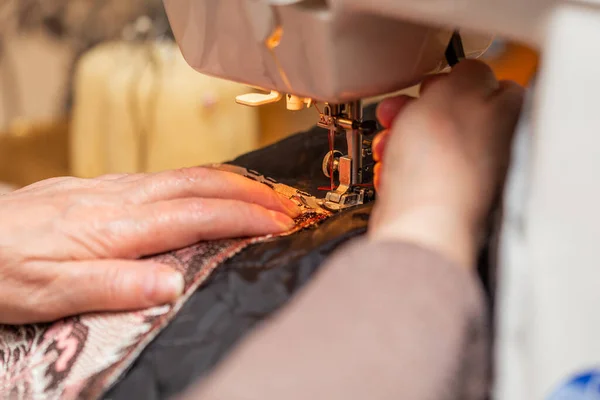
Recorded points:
69,246
443,158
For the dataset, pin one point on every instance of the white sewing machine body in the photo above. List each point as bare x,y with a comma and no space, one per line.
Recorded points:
325,51
340,51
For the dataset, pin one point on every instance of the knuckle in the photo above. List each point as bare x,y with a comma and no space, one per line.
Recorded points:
246,209
235,208
111,285
111,177
512,96
250,213
190,175
182,181
35,301
53,181
262,195
42,301
75,183
142,191
43,306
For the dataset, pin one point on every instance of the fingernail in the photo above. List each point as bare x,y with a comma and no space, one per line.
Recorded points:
164,286
291,207
283,221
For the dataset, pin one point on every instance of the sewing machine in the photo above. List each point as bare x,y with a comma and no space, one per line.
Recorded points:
336,53
316,54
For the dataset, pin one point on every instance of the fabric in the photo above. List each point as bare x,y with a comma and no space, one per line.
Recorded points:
81,357
248,288
353,319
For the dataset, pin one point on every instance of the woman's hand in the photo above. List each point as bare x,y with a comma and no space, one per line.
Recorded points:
443,159
69,246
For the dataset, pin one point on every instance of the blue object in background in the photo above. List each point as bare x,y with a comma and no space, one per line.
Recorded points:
582,387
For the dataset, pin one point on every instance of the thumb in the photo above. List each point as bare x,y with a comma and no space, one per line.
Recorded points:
112,285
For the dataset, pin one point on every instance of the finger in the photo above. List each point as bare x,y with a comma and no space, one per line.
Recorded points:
378,145
167,225
429,81
212,184
472,76
103,285
511,91
508,100
377,176
389,109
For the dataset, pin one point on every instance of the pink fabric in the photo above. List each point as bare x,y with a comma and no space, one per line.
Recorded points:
81,357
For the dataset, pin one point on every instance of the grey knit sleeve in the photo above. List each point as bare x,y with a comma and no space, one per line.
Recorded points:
380,321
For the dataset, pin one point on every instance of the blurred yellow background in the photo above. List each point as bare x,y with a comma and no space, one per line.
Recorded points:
91,87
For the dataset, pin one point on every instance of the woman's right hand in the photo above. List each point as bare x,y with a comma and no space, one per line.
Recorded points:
443,159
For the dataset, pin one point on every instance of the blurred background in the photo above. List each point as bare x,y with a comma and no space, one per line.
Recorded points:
90,87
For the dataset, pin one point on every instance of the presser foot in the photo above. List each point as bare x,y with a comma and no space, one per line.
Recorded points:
344,198
354,170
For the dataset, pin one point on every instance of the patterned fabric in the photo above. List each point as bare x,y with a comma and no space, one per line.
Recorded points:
81,357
